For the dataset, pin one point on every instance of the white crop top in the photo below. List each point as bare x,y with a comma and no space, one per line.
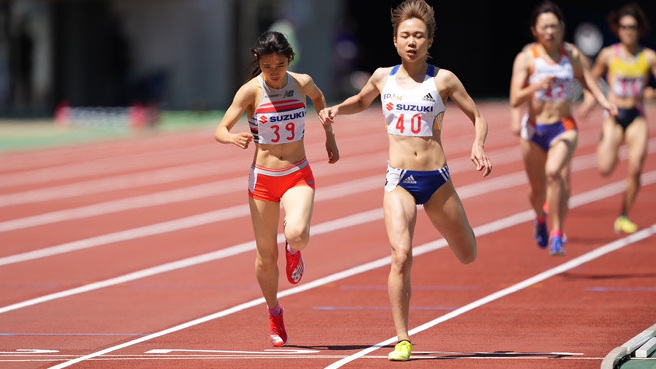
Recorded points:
563,71
280,116
412,112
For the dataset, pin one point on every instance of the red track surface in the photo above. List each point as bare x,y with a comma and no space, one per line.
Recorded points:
139,254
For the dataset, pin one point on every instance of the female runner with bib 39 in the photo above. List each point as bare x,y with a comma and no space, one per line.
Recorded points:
413,96
274,101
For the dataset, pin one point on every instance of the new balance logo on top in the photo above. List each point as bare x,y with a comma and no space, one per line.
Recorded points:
410,180
428,97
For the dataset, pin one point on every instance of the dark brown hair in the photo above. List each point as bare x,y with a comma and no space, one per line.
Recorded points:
547,7
634,10
270,42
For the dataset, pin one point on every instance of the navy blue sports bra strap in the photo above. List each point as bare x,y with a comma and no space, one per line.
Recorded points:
431,70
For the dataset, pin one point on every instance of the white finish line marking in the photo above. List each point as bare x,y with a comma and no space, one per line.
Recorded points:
265,352
30,351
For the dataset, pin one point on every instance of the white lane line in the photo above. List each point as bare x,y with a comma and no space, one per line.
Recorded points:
100,166
130,234
130,203
592,255
342,223
154,199
114,157
326,227
115,183
203,165
65,163
175,225
327,193
213,355
431,246
331,192
168,175
225,186
158,176
61,157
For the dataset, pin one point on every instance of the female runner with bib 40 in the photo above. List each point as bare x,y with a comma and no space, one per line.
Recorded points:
413,96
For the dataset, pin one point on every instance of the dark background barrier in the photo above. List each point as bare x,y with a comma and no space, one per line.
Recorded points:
193,54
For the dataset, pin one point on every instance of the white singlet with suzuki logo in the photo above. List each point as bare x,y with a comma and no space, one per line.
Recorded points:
412,112
280,116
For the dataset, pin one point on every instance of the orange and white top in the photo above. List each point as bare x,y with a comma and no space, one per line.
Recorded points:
280,116
563,70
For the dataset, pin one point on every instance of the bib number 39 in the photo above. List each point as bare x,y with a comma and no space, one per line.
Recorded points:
289,127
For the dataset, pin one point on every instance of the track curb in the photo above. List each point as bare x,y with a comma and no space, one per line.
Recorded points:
619,355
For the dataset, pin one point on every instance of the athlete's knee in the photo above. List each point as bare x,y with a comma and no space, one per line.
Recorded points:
635,168
468,252
605,168
537,195
635,176
554,174
265,261
469,256
401,257
604,171
297,235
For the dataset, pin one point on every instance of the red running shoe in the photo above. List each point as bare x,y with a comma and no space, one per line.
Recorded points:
277,332
295,266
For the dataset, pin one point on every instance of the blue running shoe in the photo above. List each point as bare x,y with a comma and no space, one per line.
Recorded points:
557,245
541,234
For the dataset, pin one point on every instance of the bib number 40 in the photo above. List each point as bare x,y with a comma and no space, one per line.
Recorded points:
414,123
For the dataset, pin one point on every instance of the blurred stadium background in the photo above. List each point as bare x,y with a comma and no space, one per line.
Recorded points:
192,55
